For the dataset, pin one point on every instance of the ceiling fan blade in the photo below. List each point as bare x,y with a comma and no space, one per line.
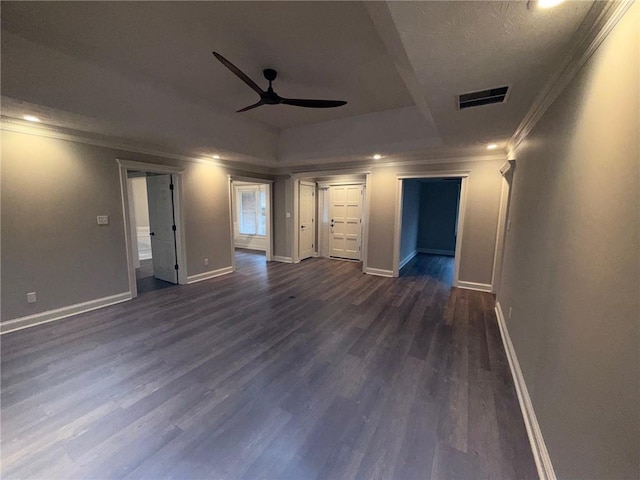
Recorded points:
239,73
298,102
251,106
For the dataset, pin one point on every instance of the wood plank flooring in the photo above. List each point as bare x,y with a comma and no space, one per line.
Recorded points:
306,371
145,281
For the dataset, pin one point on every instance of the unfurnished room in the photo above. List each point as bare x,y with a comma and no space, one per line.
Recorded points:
320,240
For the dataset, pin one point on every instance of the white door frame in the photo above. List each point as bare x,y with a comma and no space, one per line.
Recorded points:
324,186
365,222
323,197
463,175
125,191
232,204
501,231
348,174
132,224
296,218
295,256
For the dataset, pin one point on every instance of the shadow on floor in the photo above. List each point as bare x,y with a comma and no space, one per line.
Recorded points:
439,267
145,281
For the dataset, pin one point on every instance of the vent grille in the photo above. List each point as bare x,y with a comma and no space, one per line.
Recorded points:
482,97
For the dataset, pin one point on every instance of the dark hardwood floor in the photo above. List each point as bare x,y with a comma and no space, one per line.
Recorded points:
303,371
145,281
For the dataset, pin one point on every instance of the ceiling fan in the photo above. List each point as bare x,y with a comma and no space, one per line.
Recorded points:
269,97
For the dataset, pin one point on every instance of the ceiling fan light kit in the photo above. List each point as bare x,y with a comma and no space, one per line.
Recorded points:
269,97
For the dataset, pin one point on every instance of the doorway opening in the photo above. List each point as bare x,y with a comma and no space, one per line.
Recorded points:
430,227
330,217
250,201
153,220
151,196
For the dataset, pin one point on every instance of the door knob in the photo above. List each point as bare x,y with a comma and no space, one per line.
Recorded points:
152,233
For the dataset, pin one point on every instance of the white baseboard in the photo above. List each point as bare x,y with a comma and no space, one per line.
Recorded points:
249,246
279,258
207,275
379,272
435,251
407,259
538,447
60,313
480,287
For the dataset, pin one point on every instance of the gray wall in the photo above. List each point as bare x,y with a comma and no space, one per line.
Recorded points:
282,203
572,267
438,215
52,191
481,215
410,218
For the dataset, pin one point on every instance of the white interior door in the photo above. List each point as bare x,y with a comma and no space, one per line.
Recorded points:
306,237
161,226
346,214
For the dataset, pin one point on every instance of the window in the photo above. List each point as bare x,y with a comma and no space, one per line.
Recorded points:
251,207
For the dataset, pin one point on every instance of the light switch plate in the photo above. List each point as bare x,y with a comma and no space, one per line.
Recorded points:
103,219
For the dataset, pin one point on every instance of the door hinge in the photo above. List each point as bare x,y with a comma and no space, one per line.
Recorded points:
173,227
171,186
176,266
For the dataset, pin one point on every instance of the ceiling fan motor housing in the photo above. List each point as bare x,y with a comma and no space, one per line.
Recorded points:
270,74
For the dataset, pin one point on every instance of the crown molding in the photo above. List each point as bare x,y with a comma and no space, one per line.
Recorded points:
355,171
429,160
589,37
13,125
260,166
368,165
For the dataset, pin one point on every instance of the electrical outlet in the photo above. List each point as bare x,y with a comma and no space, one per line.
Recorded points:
508,225
103,219
510,313
31,297
206,261
288,214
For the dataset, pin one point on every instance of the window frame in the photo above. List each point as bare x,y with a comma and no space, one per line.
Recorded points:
259,212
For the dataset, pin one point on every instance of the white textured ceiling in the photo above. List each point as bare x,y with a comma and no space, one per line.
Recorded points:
327,50
143,72
460,47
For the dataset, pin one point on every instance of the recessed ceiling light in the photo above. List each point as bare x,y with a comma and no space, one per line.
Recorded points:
216,157
31,118
492,146
377,156
549,3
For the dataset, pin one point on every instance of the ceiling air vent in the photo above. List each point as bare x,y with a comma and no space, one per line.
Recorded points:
482,97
